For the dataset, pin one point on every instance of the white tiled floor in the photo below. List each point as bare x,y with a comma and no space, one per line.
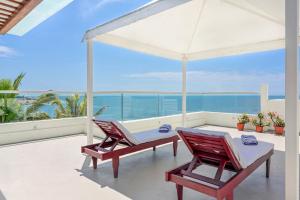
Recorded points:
55,169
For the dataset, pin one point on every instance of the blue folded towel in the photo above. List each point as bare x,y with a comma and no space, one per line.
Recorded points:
165,128
249,140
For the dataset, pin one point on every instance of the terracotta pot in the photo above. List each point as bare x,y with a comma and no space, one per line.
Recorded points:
259,129
279,130
240,126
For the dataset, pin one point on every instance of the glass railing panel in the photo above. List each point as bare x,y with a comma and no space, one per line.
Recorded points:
129,106
140,106
194,103
228,103
112,105
56,105
170,104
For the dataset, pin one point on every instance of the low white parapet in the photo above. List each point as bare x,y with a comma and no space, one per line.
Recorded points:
192,120
36,130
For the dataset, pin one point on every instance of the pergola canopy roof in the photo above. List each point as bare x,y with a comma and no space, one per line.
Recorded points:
197,29
13,11
17,17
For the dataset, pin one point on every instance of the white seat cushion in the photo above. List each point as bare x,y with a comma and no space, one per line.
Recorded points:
246,154
152,135
251,153
144,136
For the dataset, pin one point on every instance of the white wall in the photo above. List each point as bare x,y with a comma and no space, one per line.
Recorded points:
35,130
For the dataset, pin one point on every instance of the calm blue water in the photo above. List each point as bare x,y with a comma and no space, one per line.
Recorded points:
132,106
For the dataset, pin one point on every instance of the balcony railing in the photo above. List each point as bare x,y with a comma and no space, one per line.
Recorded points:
124,105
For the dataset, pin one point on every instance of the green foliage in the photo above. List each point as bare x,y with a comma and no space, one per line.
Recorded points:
11,110
276,119
37,116
40,102
73,107
260,120
7,84
243,119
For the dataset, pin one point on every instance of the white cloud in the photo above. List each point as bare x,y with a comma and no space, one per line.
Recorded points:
210,81
209,76
7,51
90,6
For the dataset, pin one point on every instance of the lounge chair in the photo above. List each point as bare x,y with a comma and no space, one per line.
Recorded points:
219,150
116,134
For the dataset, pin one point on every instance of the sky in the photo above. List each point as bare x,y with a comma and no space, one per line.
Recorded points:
53,57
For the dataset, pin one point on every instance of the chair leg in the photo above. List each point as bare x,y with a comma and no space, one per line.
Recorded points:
115,165
179,189
154,148
175,144
229,196
94,162
268,163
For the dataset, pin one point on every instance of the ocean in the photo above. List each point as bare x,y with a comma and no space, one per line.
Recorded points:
136,106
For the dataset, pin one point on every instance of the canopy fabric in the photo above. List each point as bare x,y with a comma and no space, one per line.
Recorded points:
197,29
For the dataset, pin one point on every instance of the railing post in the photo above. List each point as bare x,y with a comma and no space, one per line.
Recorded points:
158,105
184,63
122,107
264,97
291,100
89,92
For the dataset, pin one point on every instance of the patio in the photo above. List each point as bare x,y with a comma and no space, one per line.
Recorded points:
55,169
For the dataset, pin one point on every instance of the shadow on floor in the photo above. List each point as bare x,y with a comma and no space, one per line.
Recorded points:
2,197
141,176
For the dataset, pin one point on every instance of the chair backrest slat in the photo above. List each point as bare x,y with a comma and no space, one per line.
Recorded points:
112,131
209,147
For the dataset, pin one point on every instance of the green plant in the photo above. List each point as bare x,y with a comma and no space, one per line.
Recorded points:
260,120
33,113
277,121
10,109
73,106
243,119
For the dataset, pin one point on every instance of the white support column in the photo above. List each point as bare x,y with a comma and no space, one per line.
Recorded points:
264,98
291,101
184,63
89,91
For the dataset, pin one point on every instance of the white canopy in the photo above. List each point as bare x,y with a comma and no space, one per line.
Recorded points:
197,29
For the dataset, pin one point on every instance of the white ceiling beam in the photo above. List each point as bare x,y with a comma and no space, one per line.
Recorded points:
254,10
196,26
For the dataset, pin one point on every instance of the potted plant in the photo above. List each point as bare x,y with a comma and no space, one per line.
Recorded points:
242,120
260,122
278,123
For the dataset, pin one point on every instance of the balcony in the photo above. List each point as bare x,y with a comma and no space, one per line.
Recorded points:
41,159
54,169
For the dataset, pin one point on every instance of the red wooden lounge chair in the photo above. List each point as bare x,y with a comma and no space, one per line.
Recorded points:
116,134
219,150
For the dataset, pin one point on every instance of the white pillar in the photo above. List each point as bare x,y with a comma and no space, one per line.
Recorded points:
184,62
89,92
291,101
264,98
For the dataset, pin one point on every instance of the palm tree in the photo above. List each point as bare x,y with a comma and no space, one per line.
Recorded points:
12,110
74,106
9,108
33,113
